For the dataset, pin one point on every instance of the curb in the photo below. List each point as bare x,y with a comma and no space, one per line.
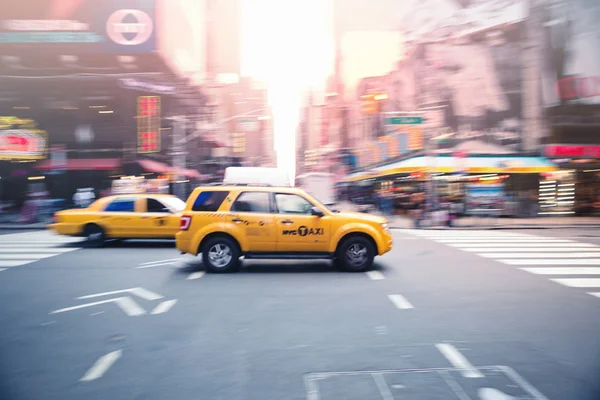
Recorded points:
21,227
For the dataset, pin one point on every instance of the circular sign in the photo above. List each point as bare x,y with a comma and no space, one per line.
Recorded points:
129,33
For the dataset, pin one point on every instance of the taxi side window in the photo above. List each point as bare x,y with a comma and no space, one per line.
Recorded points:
121,205
292,204
155,206
209,201
257,202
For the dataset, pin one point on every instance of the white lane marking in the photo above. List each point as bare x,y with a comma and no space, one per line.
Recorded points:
596,294
160,261
101,366
459,361
2,269
522,249
156,265
141,292
563,271
26,256
195,275
129,306
383,387
575,246
375,275
126,304
400,301
15,263
97,313
539,255
164,306
578,282
545,261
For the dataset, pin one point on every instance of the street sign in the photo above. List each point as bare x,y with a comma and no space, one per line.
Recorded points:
144,86
404,120
125,303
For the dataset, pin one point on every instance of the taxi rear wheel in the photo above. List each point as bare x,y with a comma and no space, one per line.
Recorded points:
95,235
221,255
355,254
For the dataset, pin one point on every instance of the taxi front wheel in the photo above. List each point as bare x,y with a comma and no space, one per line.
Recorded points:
95,235
221,255
355,254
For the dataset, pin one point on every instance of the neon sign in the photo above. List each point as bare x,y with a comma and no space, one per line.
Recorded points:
19,139
148,122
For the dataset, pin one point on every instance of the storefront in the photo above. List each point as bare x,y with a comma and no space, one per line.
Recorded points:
580,173
480,182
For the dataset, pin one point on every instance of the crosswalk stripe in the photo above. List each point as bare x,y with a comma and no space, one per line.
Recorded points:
515,240
593,261
26,256
578,282
39,250
522,249
547,255
563,270
4,263
473,245
597,294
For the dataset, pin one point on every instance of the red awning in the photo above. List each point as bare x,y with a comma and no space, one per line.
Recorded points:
161,168
83,164
154,166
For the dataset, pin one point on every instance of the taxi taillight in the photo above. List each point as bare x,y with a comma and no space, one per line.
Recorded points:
185,222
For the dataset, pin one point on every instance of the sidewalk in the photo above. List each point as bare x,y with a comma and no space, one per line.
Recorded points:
10,221
403,222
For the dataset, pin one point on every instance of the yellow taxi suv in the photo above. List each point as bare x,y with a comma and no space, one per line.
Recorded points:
127,216
224,223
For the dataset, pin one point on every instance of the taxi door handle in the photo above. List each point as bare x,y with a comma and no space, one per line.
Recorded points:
287,221
236,220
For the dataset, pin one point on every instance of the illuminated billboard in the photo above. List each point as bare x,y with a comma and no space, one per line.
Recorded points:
20,139
148,124
79,26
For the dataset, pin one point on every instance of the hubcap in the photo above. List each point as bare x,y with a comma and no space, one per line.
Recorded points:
356,254
220,255
94,236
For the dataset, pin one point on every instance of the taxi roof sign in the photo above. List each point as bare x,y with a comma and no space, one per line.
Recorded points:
259,176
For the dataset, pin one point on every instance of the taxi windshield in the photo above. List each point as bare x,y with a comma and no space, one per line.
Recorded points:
174,203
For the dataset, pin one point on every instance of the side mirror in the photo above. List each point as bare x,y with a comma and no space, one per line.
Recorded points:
316,211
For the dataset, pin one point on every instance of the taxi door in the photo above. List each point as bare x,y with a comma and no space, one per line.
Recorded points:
251,215
158,221
297,229
122,217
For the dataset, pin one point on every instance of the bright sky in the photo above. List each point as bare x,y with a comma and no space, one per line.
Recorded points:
289,45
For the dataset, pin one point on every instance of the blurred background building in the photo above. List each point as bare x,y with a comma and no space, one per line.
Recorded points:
92,91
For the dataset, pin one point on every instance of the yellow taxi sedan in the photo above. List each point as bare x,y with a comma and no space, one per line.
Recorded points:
127,216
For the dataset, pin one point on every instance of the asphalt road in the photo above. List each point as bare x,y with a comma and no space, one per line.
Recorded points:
446,315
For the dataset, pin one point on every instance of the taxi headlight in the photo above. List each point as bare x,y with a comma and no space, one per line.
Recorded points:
385,226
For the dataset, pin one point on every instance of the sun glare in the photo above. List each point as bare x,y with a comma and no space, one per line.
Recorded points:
288,45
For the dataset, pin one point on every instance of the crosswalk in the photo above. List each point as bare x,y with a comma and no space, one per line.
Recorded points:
561,260
18,249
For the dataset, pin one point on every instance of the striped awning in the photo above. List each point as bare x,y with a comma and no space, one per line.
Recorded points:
469,165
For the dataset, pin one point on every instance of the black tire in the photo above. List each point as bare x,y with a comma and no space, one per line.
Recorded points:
230,253
358,245
95,236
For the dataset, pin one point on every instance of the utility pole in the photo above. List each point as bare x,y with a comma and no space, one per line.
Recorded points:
533,129
179,155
